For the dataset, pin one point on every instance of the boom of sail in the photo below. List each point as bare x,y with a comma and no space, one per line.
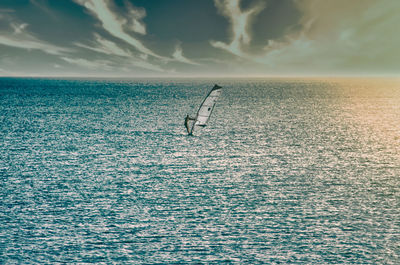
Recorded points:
205,110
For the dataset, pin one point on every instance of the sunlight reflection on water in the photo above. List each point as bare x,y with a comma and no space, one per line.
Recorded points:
288,171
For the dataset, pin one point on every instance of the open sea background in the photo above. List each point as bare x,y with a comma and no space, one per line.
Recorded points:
288,171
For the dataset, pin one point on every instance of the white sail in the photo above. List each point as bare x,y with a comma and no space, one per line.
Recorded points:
206,108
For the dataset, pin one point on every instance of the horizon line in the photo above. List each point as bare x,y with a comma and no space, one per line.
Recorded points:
210,76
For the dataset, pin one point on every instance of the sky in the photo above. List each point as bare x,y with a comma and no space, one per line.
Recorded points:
199,38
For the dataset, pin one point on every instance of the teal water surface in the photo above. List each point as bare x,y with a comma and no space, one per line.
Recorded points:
289,171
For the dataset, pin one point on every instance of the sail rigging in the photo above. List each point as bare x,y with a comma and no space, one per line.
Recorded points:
204,111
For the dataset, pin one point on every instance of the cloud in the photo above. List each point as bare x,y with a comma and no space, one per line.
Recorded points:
118,27
339,36
134,22
240,23
115,26
105,46
29,43
331,37
6,10
19,28
146,65
126,59
42,6
92,64
113,65
18,36
21,38
178,55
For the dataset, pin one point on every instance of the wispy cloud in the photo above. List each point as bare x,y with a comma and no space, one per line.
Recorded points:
115,26
119,28
5,10
42,6
178,55
126,58
105,46
240,22
29,43
145,65
134,21
19,28
20,37
92,64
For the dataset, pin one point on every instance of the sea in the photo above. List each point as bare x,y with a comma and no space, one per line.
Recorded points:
287,171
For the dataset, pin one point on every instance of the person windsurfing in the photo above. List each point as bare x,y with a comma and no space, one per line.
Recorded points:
188,127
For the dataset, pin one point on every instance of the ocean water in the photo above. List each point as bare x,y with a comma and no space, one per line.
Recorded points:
288,171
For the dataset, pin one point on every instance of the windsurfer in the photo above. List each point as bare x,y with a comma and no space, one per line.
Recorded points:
187,119
204,112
